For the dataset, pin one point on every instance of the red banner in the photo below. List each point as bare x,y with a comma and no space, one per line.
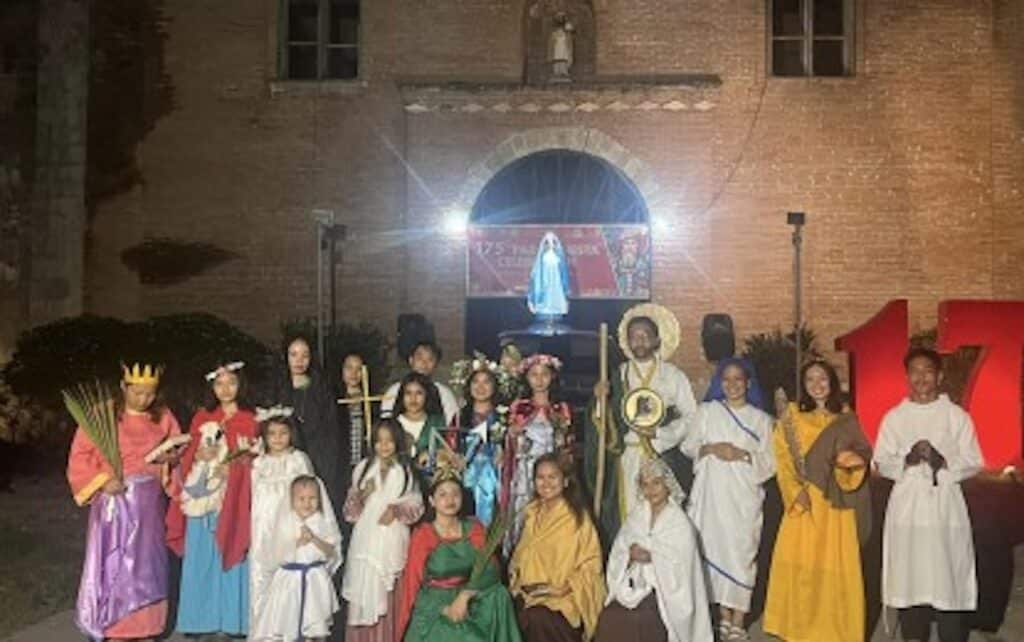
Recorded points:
605,261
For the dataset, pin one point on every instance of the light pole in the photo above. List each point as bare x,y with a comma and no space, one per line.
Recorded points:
328,233
797,220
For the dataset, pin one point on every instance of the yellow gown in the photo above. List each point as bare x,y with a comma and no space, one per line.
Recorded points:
816,587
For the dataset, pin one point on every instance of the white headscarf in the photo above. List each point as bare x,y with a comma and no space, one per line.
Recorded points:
657,468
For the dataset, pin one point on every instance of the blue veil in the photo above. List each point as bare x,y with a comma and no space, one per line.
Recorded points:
543,292
755,397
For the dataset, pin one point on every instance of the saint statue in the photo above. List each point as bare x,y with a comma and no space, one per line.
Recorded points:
548,295
560,47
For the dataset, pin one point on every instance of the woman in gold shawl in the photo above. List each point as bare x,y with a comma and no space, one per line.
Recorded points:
556,571
816,588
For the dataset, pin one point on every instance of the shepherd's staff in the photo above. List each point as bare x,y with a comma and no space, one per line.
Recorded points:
602,418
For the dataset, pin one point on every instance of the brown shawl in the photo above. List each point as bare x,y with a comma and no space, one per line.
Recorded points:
844,433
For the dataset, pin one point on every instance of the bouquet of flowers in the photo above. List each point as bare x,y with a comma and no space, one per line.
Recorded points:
92,407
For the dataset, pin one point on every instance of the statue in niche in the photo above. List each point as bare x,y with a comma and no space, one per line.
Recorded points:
561,49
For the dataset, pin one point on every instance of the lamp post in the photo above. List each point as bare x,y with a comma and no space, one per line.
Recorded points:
328,233
797,220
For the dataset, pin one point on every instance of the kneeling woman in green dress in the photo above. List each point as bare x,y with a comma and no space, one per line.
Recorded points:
441,600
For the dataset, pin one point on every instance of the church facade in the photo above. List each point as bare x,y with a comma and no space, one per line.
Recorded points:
897,126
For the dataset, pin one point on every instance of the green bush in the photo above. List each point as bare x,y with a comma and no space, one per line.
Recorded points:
774,357
60,354
364,338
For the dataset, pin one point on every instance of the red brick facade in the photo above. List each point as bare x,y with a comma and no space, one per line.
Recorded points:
910,171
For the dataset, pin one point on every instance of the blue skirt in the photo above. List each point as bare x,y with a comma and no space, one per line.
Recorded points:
212,599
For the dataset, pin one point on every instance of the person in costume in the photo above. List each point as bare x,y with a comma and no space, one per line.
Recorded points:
418,410
209,524
815,586
124,585
272,475
306,551
656,590
424,359
731,445
556,575
481,429
383,502
650,407
548,295
927,445
353,427
452,590
306,391
538,425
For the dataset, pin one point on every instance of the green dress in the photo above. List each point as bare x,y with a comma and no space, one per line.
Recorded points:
437,570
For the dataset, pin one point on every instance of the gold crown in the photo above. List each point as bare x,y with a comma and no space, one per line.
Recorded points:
143,375
448,466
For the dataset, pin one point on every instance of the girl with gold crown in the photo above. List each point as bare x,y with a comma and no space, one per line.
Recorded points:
451,590
123,595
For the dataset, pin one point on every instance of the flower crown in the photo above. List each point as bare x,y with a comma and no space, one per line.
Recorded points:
274,412
548,360
462,372
446,465
227,368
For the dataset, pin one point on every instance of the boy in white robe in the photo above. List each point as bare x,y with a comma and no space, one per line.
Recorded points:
423,359
927,445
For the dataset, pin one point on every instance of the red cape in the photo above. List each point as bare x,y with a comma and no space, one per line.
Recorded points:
233,525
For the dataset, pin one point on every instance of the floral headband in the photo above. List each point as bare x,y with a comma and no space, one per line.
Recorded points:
274,412
227,368
540,359
462,372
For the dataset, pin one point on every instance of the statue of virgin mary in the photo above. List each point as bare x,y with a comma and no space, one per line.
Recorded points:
548,295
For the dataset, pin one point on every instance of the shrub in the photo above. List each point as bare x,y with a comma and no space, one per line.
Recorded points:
773,355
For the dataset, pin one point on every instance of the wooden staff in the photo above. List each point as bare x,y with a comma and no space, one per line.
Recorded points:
602,418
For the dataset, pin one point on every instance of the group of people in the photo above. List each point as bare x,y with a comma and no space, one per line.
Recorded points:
474,513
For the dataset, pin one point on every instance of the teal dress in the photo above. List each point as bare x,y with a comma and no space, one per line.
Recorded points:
437,570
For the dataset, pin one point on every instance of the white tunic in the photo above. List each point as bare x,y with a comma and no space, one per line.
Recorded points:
928,550
279,620
271,493
675,572
727,500
449,403
674,388
377,553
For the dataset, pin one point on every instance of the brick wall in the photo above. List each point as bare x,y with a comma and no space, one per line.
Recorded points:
909,171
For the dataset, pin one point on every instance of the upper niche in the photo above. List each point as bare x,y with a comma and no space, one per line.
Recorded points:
541,19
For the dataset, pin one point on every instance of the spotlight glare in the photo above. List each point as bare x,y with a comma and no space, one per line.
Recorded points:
456,223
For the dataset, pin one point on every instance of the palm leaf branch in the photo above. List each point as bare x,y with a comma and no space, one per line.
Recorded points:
92,408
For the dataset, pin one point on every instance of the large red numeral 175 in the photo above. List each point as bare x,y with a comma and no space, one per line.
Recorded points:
993,393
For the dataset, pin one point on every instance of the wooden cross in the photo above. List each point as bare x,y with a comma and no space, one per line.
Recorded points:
366,400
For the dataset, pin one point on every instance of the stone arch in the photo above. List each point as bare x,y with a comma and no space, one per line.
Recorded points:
581,139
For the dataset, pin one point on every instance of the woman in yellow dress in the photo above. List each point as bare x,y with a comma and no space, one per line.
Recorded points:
816,587
556,572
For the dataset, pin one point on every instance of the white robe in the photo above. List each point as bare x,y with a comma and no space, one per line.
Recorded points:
376,553
449,403
674,388
928,550
675,572
271,494
279,619
727,500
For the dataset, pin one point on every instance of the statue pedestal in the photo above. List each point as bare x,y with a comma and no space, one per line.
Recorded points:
548,325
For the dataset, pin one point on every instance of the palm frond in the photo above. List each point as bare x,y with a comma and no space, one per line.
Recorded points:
92,408
495,535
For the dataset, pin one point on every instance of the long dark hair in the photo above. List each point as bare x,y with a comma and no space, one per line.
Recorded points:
572,493
433,399
554,390
466,414
287,422
283,384
430,514
834,403
401,452
211,402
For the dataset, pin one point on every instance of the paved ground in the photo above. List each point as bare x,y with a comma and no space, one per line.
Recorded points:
59,628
